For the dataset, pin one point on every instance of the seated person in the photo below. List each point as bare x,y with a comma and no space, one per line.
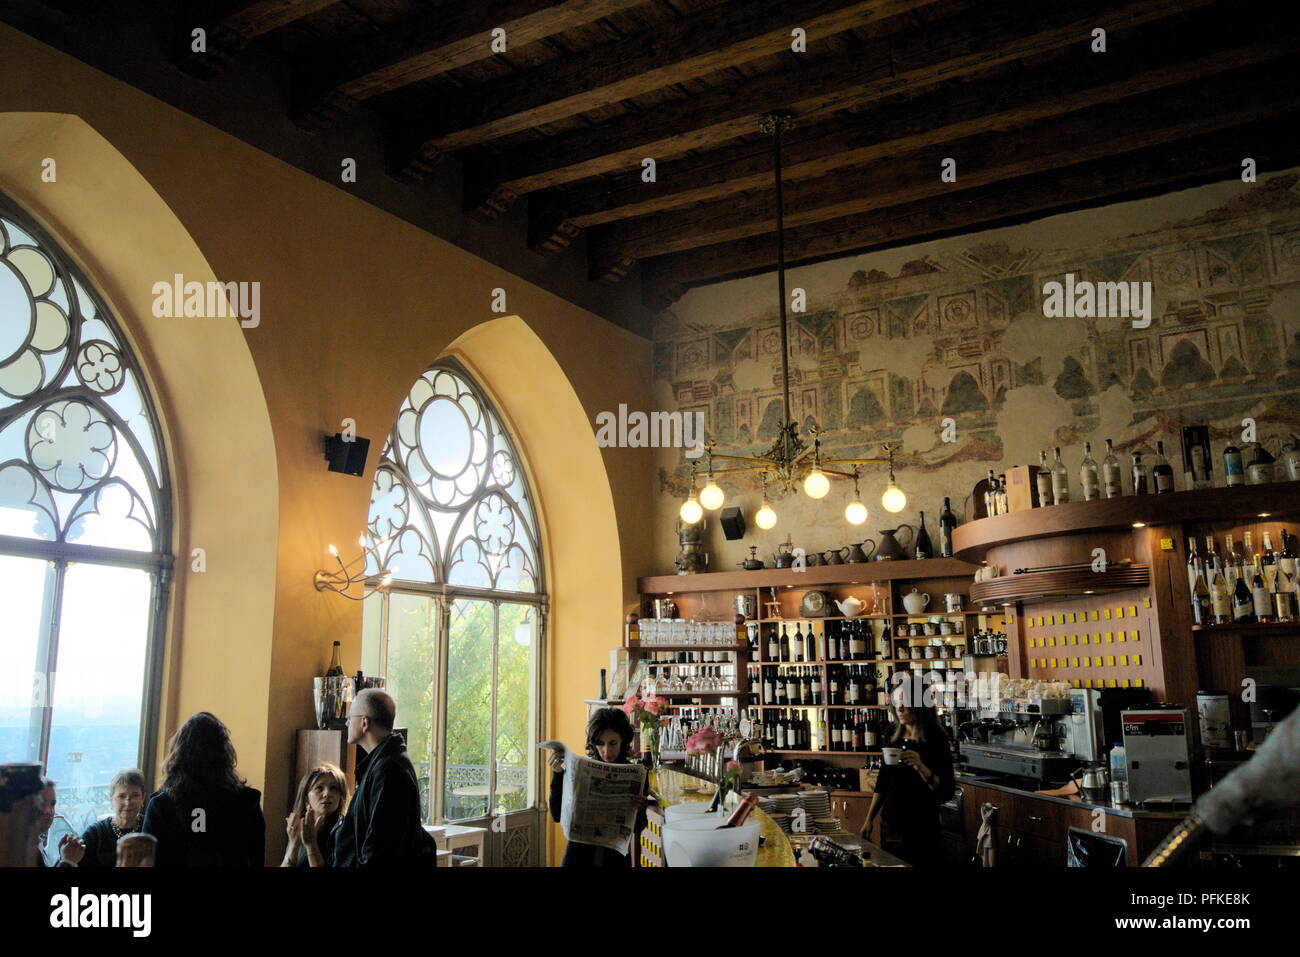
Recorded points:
126,797
70,849
322,797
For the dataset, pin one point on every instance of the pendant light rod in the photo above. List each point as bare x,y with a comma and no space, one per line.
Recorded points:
776,124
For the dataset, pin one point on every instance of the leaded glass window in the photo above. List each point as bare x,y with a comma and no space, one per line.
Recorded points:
457,635
84,528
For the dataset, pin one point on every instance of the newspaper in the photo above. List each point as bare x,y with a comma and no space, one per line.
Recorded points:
599,805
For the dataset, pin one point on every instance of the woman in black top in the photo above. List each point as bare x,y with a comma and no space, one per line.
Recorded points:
126,795
609,738
204,815
322,797
909,793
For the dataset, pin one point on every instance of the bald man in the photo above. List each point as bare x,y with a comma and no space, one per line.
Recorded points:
382,827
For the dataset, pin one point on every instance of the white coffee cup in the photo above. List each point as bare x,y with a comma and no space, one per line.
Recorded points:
892,755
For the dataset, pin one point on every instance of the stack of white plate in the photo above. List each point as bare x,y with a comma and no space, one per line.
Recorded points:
782,808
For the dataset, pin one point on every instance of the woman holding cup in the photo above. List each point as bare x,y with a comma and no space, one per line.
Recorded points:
915,779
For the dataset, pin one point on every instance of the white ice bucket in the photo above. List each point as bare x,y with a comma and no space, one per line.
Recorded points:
693,811
696,841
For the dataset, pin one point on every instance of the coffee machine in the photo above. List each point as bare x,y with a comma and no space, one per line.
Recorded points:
1081,729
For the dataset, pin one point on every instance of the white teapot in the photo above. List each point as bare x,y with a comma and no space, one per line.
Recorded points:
916,602
850,607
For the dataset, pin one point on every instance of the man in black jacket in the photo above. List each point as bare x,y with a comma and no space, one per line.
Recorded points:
382,827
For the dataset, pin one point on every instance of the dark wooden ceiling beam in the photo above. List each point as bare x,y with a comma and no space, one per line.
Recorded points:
229,32
713,39
435,43
1165,116
904,63
1054,89
1217,156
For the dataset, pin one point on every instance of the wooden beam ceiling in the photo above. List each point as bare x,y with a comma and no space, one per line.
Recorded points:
228,32
1099,131
946,114
435,43
641,64
1213,157
904,63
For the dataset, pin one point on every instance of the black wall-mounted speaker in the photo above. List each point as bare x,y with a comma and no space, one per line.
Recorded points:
733,523
346,457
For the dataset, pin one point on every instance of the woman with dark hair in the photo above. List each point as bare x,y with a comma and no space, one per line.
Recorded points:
609,738
204,815
909,793
126,795
321,799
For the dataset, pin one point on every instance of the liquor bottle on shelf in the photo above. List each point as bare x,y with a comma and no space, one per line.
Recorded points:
922,547
1162,473
1060,480
1044,479
796,644
1088,474
1283,594
871,733
1112,476
1243,602
947,522
1259,594
821,641
852,690
855,741
885,640
1202,605
857,642
815,686
835,689
1194,566
1220,597
1212,562
1234,471
791,686
785,643
1231,560
1140,484
773,645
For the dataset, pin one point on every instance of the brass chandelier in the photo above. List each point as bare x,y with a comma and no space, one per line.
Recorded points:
790,461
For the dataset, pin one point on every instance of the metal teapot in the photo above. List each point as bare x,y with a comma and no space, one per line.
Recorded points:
753,562
784,556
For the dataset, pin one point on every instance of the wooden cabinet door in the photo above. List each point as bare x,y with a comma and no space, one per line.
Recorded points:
852,811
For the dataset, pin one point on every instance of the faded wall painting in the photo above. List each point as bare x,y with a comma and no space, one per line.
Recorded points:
893,344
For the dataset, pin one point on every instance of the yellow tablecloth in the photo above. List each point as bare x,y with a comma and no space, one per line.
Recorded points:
775,851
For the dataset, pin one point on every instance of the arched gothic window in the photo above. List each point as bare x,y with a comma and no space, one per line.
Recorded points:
459,631
84,529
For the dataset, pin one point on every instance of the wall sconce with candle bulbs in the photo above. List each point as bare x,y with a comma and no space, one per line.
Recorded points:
342,580
790,461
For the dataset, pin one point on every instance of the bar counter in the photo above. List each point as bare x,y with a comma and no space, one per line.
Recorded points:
1173,813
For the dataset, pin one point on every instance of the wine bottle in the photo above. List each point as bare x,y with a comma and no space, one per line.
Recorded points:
1220,598
336,662
857,646
1193,562
855,740
769,693
742,812
1243,603
833,691
1060,480
1162,473
791,687
947,522
922,546
871,734
816,686
1283,595
785,644
1233,470
1088,474
1202,604
1287,558
796,644
1140,484
1043,480
773,645
1112,476
821,641
1260,597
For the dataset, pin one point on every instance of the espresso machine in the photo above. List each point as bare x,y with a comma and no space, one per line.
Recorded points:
1081,730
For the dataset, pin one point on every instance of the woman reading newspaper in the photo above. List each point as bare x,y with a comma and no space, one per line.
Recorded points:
609,738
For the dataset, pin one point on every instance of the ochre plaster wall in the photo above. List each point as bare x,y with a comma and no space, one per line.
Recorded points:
355,305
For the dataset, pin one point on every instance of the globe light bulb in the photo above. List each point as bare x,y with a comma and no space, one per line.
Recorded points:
711,497
765,517
855,512
893,500
691,511
816,484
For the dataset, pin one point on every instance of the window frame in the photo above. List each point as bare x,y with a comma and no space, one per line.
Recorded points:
157,563
444,595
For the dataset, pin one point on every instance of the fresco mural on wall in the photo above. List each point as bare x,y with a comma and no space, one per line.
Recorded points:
959,333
